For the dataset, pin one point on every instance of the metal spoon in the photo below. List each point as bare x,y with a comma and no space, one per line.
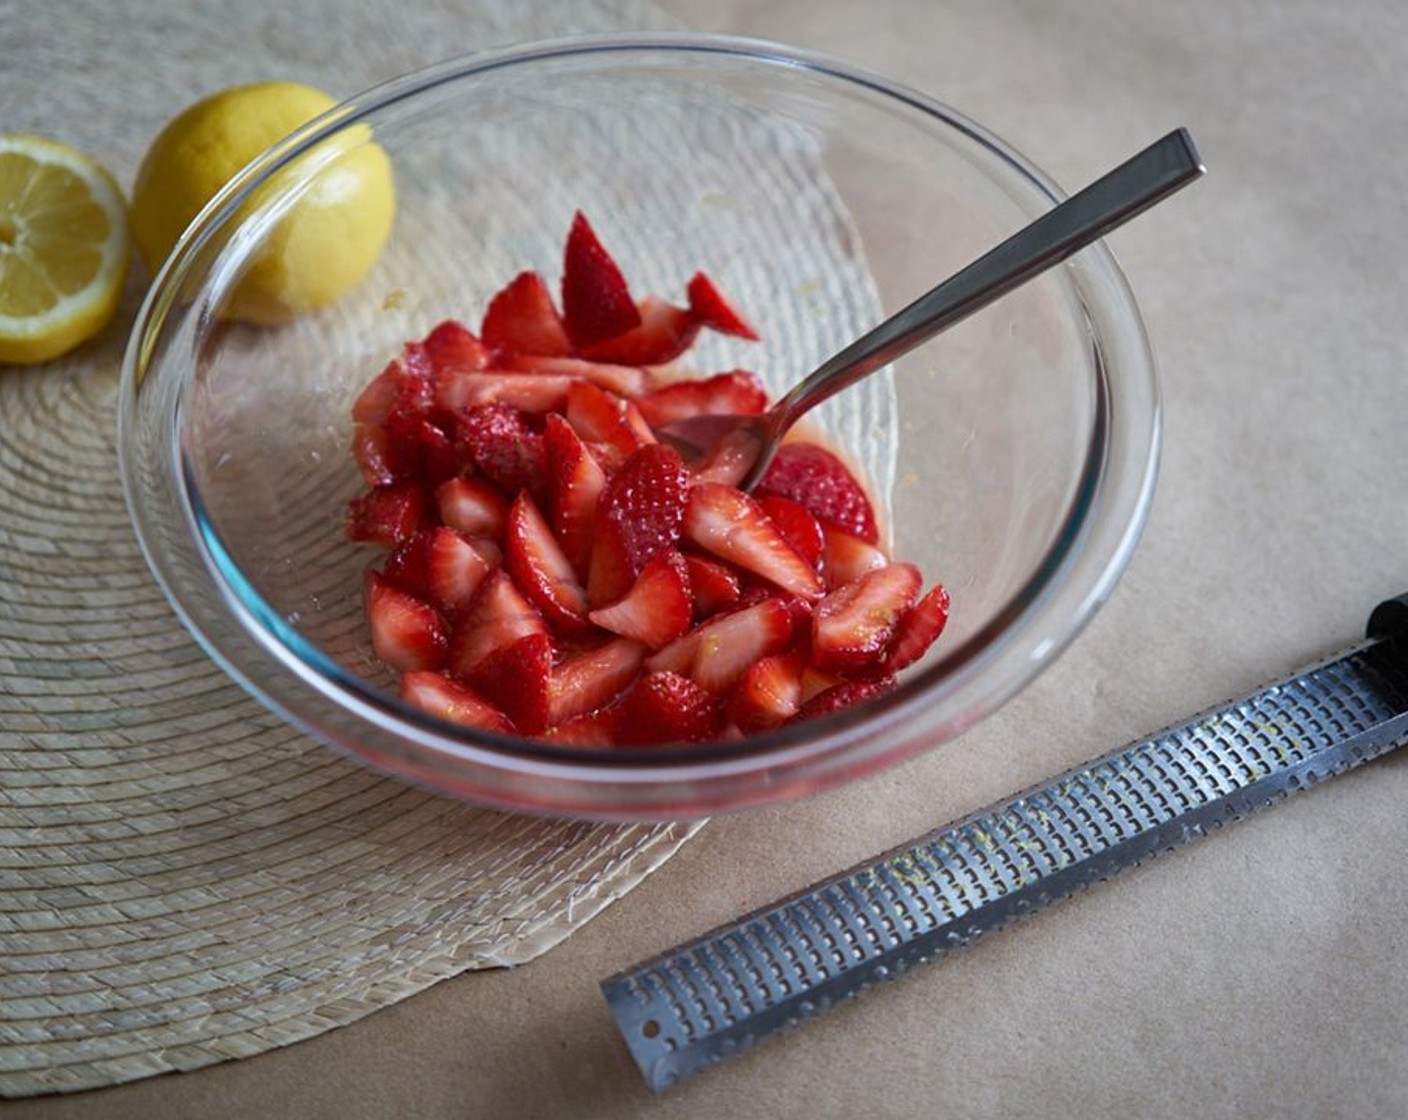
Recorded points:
738,449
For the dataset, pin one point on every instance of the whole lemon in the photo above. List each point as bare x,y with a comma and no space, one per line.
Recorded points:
335,225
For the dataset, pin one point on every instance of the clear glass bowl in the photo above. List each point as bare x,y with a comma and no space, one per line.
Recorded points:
1015,454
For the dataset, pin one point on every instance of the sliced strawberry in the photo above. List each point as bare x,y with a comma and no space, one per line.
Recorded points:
845,557
728,523
523,320
801,530
711,310
504,447
918,630
387,514
408,566
516,678
718,653
575,481
815,682
531,392
440,457
540,569
712,584
453,349
497,617
375,454
592,679
595,729
770,692
639,515
454,569
659,606
853,625
445,699
818,480
596,303
665,707
624,381
407,633
843,695
665,332
737,393
474,506
602,417
373,403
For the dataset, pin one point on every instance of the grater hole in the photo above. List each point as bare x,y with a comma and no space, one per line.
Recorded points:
650,1028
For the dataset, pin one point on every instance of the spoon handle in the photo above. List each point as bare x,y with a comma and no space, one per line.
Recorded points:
1130,189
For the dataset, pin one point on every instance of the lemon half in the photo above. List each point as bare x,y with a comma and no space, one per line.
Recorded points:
63,248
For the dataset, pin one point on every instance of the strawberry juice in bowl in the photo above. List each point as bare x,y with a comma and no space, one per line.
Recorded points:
1010,460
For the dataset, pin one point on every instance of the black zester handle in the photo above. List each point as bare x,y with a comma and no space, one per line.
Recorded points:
716,996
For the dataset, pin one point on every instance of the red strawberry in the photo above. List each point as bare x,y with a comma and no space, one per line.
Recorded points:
440,458
407,633
665,332
596,303
375,454
818,480
454,569
770,692
624,381
503,446
797,526
595,729
852,626
666,707
845,557
373,404
918,630
718,653
710,309
843,695
408,568
639,514
387,514
531,392
658,608
712,585
497,616
592,679
474,506
516,678
601,417
540,569
728,523
815,682
522,319
452,349
443,698
575,481
737,393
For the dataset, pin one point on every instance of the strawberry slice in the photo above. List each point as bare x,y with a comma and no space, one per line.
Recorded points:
445,699
531,392
522,319
640,512
710,309
595,729
658,608
712,585
818,480
843,695
387,514
497,616
373,403
407,633
801,530
852,626
665,332
451,348
770,692
408,566
624,381
596,303
454,569
474,506
575,482
919,629
540,569
602,417
665,707
716,654
516,678
592,679
504,447
736,393
729,524
845,557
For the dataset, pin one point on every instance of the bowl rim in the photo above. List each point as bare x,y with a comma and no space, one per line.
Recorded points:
951,675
